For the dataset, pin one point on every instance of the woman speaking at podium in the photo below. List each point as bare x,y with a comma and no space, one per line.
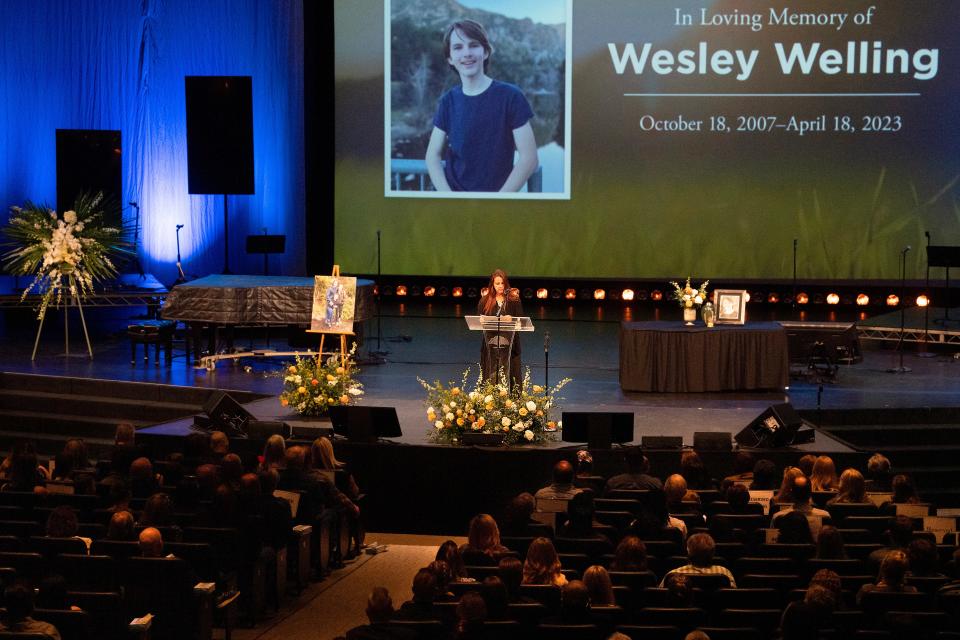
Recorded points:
504,302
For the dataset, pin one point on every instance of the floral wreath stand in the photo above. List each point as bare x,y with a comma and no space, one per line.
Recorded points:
72,300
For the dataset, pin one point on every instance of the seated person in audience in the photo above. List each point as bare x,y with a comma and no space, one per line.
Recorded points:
424,592
219,446
792,528
579,524
585,477
542,565
679,498
738,499
158,512
231,468
830,544
785,494
24,472
575,608
631,555
379,611
852,488
679,591
764,476
924,559
196,450
18,600
800,493
151,543
320,492
824,475
449,553
276,513
953,572
743,464
224,510
208,479
483,546
62,523
321,453
904,490
471,614
510,572
597,581
175,471
52,593
517,519
805,464
654,518
700,551
803,619
494,594
879,477
143,482
441,571
273,450
893,569
695,472
637,476
829,580
899,536
562,486
121,527
696,634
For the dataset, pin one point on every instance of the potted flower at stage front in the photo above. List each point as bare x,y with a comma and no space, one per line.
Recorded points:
689,298
312,385
64,254
520,416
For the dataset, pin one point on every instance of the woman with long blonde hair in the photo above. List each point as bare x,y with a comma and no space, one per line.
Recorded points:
824,475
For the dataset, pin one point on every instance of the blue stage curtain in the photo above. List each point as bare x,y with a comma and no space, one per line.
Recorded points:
120,64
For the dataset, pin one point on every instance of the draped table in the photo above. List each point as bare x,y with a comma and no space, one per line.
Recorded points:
669,356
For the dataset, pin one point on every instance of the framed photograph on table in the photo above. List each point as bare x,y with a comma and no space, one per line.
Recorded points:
731,305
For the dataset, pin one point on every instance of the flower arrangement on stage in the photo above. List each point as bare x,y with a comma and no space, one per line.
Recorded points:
687,296
522,415
65,253
312,385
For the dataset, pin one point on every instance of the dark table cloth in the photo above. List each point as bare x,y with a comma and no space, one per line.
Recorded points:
672,357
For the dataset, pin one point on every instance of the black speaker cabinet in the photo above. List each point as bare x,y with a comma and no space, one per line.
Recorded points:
227,415
776,427
712,441
219,134
90,160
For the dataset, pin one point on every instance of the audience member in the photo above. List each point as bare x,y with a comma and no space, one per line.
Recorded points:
852,488
631,555
793,528
800,493
219,445
637,475
899,536
562,486
379,611
785,494
518,516
893,569
654,518
121,527
597,581
805,464
738,499
424,592
743,464
879,478
52,593
830,544
764,476
273,452
483,542
231,468
471,614
803,619
679,591
277,516
696,634
24,472
151,543
495,596
579,524
510,571
824,475
904,490
829,580
18,600
62,523
449,552
700,552
441,571
574,606
143,482
679,498
321,453
923,558
542,565
695,472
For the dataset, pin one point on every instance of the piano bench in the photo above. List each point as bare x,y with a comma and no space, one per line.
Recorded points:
159,333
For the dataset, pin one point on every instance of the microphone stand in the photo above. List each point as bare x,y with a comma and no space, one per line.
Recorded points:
794,303
903,311
380,353
546,360
923,353
181,278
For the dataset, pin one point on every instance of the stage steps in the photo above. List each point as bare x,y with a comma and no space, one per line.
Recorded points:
50,409
921,442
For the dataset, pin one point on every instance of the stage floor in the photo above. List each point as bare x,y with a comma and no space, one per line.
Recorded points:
432,342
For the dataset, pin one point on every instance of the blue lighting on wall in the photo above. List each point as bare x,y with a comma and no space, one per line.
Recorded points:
112,64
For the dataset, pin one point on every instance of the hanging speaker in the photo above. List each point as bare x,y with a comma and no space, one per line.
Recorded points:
219,134
90,160
776,427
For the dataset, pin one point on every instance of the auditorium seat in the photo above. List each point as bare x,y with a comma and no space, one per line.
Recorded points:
766,620
568,632
927,584
545,594
10,543
424,629
594,548
72,625
22,529
518,544
618,504
50,547
620,520
875,603
735,633
29,565
165,588
684,618
635,580
779,566
651,632
105,610
796,552
781,582
528,614
843,567
577,562
87,573
839,512
116,549
742,598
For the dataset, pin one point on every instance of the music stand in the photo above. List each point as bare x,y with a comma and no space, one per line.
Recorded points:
266,245
365,424
944,256
599,429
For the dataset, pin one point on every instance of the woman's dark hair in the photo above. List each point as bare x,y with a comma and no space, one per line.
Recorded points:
631,555
488,304
904,490
830,544
158,511
62,522
738,496
449,552
794,529
495,596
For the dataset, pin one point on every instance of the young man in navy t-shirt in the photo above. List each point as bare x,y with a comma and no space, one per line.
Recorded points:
482,121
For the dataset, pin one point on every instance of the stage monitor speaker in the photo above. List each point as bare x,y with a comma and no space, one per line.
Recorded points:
776,427
227,415
263,429
712,441
365,424
661,442
219,134
90,160
599,429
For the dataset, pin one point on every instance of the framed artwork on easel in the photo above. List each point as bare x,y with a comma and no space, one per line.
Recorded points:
334,302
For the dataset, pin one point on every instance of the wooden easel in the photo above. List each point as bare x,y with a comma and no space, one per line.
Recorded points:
343,336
